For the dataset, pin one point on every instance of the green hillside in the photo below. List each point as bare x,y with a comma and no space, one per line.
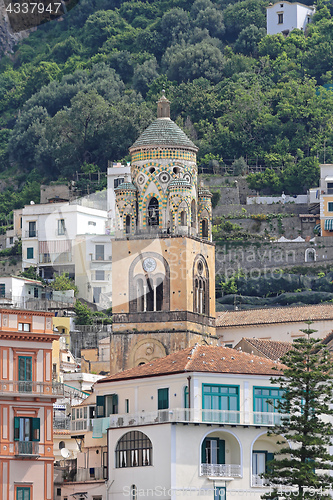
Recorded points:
78,92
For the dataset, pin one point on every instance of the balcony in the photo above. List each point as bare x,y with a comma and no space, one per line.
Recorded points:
184,415
82,425
23,387
258,481
27,448
220,470
93,473
62,423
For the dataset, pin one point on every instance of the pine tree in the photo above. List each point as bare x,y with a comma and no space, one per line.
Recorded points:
303,462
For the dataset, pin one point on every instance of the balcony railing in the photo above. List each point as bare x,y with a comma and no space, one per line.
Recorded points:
30,387
62,423
32,233
33,304
220,470
28,448
192,415
96,473
82,425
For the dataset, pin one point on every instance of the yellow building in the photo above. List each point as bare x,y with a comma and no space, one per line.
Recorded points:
326,200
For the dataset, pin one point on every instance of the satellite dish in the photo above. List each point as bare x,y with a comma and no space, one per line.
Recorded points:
64,453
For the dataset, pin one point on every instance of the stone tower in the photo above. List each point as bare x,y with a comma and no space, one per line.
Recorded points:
163,260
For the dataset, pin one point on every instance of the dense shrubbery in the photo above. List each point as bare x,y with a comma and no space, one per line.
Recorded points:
81,90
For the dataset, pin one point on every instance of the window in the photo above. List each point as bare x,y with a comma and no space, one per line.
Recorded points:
213,451
280,18
221,403
26,429
100,275
153,213
106,405
97,290
220,493
91,223
128,222
204,228
32,229
117,182
126,405
36,293
330,206
11,240
163,399
134,449
260,463
193,213
265,400
99,252
183,218
2,289
30,253
61,227
58,492
23,493
24,327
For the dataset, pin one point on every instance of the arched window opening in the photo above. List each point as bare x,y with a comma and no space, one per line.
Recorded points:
150,295
183,218
193,213
128,224
204,228
134,449
310,255
153,212
140,295
61,445
200,288
159,294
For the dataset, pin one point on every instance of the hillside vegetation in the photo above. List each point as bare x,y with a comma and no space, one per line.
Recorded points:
78,91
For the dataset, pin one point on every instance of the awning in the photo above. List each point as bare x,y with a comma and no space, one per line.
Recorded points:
328,225
329,178
316,229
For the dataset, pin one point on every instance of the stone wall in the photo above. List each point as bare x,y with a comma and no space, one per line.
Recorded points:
265,257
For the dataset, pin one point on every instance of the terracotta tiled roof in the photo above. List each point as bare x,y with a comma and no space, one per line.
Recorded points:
272,349
61,432
274,315
207,359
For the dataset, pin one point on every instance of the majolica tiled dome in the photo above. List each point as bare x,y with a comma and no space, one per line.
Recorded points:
163,132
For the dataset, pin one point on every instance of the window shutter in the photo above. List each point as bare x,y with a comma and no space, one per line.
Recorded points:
16,428
35,429
221,451
203,451
114,403
269,458
163,399
100,406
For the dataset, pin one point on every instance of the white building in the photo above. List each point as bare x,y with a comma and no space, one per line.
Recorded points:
283,17
19,291
195,420
116,176
69,237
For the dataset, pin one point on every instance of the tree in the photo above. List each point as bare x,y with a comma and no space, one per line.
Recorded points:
83,314
307,384
31,274
64,282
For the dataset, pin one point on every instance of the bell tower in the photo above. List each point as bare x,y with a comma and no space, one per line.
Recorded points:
163,272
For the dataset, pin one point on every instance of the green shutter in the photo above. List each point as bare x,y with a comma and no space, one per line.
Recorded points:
203,452
221,451
100,406
114,403
35,426
163,399
269,458
16,428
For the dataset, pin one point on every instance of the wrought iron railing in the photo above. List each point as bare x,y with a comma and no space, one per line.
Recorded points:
26,448
31,387
221,470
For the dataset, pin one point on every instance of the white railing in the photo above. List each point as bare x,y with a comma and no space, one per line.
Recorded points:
220,470
26,448
82,424
89,474
196,416
26,387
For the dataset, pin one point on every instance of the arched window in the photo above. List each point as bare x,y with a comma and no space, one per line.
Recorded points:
204,228
140,295
310,255
134,449
183,218
200,287
159,294
61,445
128,224
150,295
193,213
153,212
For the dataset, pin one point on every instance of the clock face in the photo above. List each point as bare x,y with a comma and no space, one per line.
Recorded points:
149,265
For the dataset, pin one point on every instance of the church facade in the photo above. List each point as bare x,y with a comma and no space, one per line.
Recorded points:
163,270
